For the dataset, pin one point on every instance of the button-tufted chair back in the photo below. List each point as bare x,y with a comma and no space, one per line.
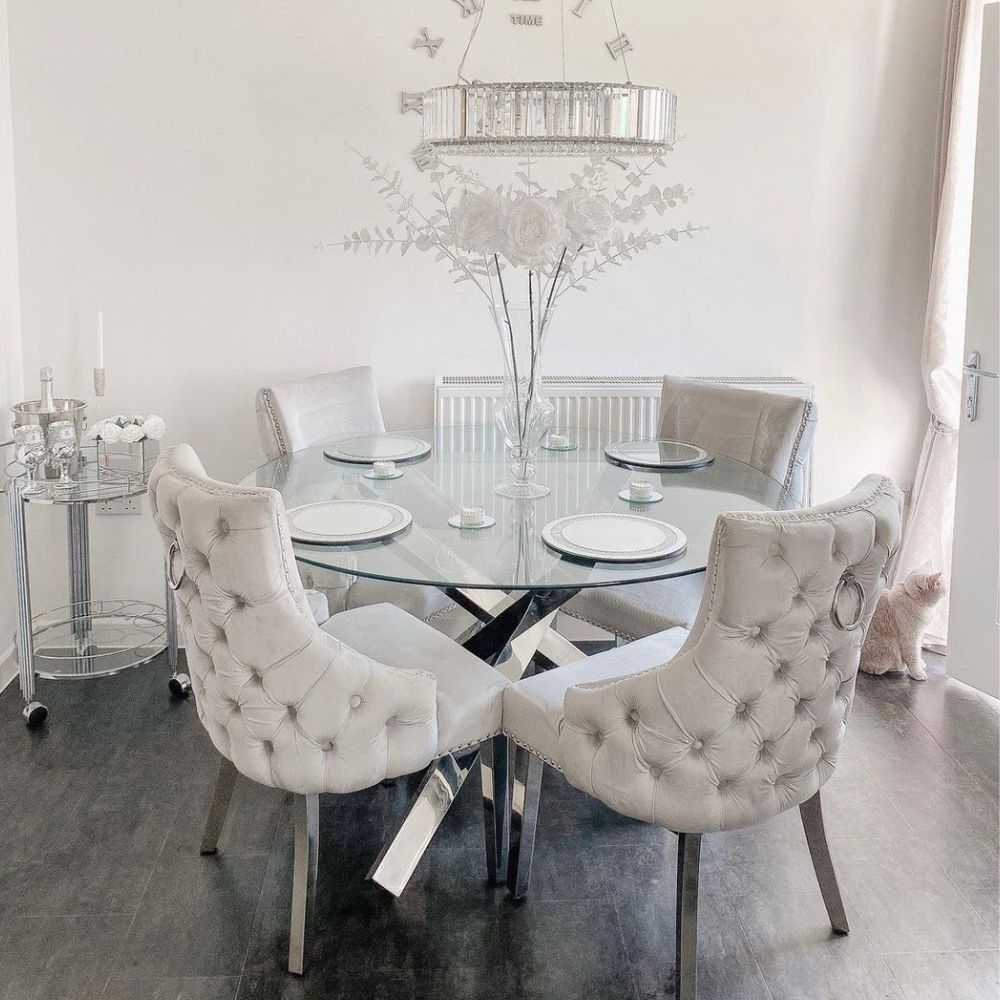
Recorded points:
299,414
287,703
766,430
748,719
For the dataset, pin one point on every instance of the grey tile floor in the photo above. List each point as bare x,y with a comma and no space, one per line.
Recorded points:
103,894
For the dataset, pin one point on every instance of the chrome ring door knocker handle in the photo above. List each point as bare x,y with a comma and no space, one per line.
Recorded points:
848,579
171,552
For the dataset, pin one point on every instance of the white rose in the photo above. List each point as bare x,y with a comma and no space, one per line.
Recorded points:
536,231
132,433
154,427
110,432
588,217
478,222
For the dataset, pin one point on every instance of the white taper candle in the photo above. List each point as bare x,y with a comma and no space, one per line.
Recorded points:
100,338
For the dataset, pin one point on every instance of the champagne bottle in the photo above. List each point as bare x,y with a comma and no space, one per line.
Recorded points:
46,405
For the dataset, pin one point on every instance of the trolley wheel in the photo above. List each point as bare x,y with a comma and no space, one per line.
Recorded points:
35,713
179,685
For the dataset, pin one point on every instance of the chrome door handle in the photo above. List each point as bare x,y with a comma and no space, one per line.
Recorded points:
972,372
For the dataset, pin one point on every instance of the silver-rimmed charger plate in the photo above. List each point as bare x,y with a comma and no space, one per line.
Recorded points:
660,454
378,447
343,522
622,538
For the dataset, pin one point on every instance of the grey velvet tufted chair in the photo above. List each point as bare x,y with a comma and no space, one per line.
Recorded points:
765,430
372,694
733,722
332,406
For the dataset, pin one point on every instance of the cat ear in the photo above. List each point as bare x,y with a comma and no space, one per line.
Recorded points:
934,578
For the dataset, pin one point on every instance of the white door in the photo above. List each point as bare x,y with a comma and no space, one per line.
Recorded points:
974,615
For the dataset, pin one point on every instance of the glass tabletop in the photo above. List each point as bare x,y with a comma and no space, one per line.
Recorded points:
464,466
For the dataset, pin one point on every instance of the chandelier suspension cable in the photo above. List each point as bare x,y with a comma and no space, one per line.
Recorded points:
562,34
468,44
618,33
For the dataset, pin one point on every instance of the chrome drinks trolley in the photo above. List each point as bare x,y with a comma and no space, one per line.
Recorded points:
86,638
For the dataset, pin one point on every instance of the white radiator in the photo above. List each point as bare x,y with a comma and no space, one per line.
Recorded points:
609,405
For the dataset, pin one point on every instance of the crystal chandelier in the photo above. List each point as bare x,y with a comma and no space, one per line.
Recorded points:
548,119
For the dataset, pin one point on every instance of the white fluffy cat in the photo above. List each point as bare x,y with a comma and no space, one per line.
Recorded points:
896,635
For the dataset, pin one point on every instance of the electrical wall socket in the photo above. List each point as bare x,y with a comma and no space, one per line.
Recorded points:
123,505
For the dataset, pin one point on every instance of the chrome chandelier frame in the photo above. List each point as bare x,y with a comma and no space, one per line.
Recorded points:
549,119
529,119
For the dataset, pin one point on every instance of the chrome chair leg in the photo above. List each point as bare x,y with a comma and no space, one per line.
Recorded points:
493,765
688,864
305,867
526,789
811,812
220,806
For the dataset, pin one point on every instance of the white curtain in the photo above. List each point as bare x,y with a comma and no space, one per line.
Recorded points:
929,527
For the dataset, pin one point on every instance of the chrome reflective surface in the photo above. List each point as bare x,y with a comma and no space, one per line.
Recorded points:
465,465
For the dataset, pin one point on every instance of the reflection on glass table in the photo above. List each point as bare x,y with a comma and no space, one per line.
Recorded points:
464,467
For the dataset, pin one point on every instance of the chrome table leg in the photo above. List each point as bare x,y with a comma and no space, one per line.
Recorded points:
511,650
526,790
34,712
404,849
305,869
493,764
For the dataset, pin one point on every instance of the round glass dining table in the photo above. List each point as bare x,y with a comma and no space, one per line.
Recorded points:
465,465
505,575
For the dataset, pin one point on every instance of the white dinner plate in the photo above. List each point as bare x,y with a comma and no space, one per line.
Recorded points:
614,537
660,454
341,522
378,447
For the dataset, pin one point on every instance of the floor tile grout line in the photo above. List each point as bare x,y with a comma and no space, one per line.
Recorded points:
746,937
944,749
260,895
621,933
944,951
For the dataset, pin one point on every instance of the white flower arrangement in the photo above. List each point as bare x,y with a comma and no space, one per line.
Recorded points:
562,241
567,239
127,430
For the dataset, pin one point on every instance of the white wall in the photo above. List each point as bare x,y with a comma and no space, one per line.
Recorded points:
178,161
11,382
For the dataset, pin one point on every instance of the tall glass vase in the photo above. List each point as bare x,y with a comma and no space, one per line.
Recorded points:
522,414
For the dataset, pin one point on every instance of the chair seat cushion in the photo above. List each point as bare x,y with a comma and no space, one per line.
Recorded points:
469,692
640,609
533,707
422,602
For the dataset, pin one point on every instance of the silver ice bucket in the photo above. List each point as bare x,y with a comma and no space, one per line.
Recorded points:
74,410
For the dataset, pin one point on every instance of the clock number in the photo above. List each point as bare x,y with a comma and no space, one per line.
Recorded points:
425,157
411,101
424,41
619,46
470,7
